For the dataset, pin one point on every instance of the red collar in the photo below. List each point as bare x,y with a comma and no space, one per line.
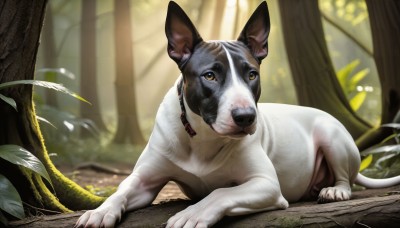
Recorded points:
185,122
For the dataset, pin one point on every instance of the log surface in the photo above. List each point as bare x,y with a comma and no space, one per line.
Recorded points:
368,208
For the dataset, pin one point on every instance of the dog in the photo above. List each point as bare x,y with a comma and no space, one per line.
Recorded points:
222,148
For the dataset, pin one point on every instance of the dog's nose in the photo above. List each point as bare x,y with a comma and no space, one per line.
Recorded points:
244,117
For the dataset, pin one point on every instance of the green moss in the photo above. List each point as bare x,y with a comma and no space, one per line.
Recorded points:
290,222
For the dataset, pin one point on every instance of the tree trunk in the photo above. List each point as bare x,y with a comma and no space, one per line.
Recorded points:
128,128
384,17
380,210
88,65
49,56
312,70
218,16
21,23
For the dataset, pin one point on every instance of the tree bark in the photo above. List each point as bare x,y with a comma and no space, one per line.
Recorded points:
366,210
21,23
312,70
128,128
88,65
384,17
49,56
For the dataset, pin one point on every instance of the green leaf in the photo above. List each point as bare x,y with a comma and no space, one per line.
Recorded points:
356,79
344,74
382,149
358,100
390,137
366,162
9,101
49,85
392,125
10,201
45,121
19,156
384,159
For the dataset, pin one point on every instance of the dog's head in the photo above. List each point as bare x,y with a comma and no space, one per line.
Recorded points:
221,78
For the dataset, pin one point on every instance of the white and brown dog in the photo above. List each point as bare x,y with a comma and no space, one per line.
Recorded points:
214,140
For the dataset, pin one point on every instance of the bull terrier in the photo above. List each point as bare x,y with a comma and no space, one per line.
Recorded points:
222,148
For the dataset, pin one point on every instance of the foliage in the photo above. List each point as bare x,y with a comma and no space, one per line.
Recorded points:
350,83
63,127
10,201
19,156
49,85
383,160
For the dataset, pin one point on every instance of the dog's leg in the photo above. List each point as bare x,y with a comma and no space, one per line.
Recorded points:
343,159
256,195
260,192
138,190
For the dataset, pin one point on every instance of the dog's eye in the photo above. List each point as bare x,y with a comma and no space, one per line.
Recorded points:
209,76
253,75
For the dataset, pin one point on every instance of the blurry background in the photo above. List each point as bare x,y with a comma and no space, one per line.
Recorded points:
85,43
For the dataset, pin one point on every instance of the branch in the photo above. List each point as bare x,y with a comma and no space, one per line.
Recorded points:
351,37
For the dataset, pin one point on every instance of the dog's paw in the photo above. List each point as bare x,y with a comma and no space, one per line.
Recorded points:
334,194
194,216
101,217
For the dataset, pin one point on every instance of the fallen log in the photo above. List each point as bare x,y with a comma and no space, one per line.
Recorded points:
368,208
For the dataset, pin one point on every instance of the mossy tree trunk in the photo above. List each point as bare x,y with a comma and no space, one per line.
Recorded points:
21,24
128,129
312,70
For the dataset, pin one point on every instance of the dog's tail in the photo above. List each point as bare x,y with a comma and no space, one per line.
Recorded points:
376,183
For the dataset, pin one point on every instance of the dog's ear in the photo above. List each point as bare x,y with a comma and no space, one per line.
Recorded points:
255,33
181,34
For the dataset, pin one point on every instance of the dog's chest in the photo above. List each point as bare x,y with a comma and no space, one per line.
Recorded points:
205,167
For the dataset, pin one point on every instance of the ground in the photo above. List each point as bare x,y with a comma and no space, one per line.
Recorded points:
93,174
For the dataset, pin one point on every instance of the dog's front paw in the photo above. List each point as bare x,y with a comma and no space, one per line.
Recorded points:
194,216
333,194
101,217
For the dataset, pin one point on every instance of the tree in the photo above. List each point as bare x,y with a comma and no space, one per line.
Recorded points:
21,24
384,19
49,55
128,124
218,16
88,64
312,70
